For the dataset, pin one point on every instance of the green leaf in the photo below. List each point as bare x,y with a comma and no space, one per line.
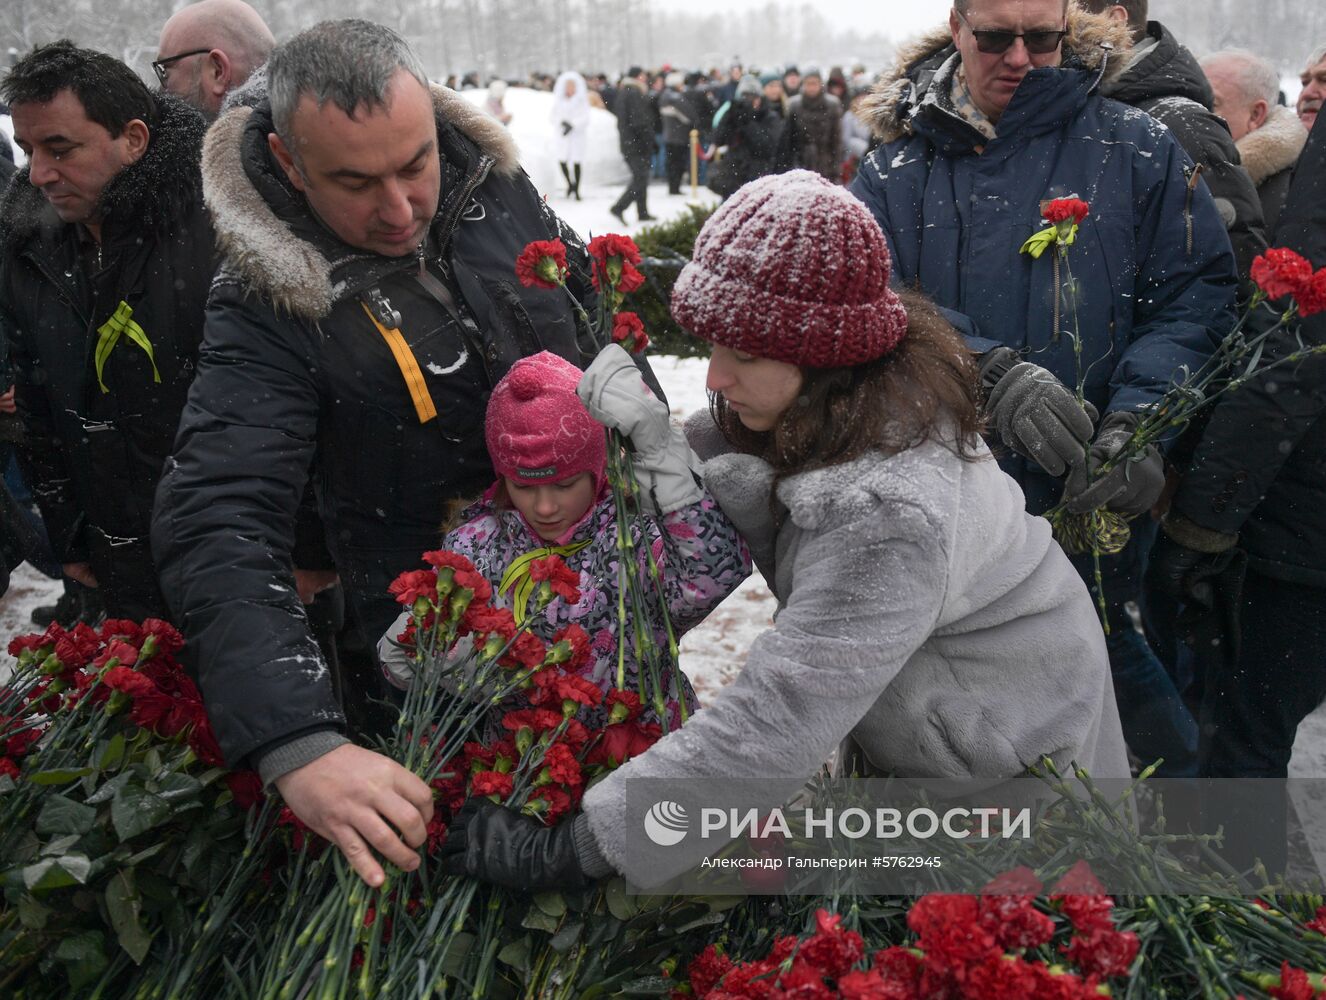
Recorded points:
516,954
122,904
135,810
59,775
60,845
458,946
108,789
175,787
565,939
537,920
550,903
620,905
112,754
85,955
143,855
56,873
62,815
6,784
649,986
31,914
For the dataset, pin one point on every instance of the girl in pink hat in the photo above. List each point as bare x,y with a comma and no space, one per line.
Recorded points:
928,627
551,496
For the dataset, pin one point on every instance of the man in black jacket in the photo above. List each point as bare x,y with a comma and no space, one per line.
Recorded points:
1163,79
635,132
105,259
1256,491
367,304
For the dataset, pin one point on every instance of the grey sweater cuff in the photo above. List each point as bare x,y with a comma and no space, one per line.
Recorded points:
591,858
1194,536
298,752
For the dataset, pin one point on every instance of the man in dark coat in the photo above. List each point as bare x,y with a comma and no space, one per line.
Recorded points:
635,133
1256,492
678,116
105,259
367,304
981,125
813,134
1269,135
1162,78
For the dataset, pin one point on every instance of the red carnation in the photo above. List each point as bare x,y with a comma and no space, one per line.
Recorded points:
899,965
1311,298
540,720
1003,976
1062,209
472,580
618,744
8,769
1280,272
542,264
1294,985
615,257
491,783
485,621
1015,922
446,559
414,584
1318,923
707,969
561,578
123,652
246,788
168,639
623,706
577,646
872,986
121,628
1103,953
832,949
1079,880
569,687
203,742
629,331
20,743
1020,881
558,803
130,681
526,652
562,765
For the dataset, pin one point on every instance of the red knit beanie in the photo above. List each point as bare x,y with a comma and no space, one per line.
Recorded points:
792,268
537,429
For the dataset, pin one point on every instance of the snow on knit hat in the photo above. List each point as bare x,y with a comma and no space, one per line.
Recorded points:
537,429
793,268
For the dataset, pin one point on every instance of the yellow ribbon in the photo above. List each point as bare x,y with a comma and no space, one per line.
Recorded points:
109,333
517,575
414,378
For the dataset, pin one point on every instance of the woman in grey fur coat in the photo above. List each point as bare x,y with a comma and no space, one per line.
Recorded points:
923,614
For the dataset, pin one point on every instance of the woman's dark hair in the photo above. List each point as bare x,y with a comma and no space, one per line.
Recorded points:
111,93
925,388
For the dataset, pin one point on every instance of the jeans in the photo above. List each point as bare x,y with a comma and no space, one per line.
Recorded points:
41,556
1156,722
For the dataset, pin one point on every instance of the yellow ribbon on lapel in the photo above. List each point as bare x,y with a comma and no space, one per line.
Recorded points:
517,575
424,407
120,324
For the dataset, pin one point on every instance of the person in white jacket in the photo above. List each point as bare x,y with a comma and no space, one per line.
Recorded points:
570,119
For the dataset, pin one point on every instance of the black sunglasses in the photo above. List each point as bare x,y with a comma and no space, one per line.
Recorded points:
162,66
995,42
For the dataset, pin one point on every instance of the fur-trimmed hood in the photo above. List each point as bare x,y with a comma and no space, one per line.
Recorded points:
1092,38
270,240
1274,147
151,196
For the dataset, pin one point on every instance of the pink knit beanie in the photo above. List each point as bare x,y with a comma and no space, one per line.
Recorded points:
792,268
537,429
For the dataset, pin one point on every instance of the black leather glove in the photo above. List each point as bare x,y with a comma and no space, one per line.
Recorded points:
1130,487
1186,557
499,845
1034,413
566,128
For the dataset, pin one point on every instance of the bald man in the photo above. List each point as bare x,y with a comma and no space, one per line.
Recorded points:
208,49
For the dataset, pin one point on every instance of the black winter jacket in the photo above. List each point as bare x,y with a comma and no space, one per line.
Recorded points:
1260,469
1169,85
751,135
295,380
636,120
813,136
93,458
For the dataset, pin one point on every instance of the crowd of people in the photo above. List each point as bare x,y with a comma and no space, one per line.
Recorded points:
263,321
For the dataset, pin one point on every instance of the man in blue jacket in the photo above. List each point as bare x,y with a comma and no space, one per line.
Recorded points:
982,124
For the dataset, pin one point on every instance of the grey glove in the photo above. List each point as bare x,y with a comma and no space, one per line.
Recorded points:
1131,487
616,396
1034,413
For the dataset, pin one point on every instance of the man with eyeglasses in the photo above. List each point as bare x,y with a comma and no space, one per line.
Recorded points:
983,123
105,262
210,48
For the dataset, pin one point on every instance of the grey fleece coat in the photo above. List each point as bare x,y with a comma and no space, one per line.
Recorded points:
921,611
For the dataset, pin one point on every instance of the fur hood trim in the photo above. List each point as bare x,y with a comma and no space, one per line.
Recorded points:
259,247
1088,34
151,196
1275,146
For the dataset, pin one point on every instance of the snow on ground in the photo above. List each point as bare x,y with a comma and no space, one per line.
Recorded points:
714,652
